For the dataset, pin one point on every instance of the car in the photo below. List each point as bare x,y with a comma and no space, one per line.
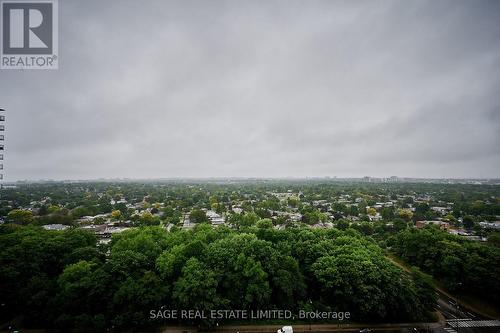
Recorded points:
285,329
365,330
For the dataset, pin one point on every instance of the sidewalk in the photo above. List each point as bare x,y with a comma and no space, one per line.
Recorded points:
303,328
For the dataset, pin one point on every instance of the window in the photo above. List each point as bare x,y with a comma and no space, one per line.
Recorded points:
2,137
2,118
2,128
1,157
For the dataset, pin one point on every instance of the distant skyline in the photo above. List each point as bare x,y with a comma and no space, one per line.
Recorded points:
265,89
187,180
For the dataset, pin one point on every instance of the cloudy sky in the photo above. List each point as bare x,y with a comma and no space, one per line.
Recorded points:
150,89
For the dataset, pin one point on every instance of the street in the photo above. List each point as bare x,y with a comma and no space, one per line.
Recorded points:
462,320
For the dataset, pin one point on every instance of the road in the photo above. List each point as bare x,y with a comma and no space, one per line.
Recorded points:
463,320
458,319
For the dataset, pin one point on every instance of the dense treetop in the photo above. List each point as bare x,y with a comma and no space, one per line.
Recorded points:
65,279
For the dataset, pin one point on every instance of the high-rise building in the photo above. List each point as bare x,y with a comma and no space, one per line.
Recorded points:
2,139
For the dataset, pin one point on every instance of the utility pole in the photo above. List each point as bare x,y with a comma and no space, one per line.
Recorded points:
459,284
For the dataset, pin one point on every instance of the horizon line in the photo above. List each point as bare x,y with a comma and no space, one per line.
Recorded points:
180,178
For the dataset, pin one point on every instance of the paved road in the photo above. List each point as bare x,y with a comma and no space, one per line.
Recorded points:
463,320
457,316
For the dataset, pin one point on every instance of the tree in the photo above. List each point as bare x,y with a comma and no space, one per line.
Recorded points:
265,224
244,220
421,209
198,216
69,280
122,207
399,224
76,283
387,213
494,238
135,295
366,228
20,216
342,224
148,219
293,202
146,242
450,219
116,215
468,222
356,277
353,210
82,293
456,263
197,287
371,211
405,214
426,292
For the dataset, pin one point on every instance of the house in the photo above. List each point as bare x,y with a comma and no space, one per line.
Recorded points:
375,218
476,238
442,225
318,203
325,225
237,210
56,227
114,230
186,222
122,200
490,225
284,196
294,217
215,218
440,210
459,232
92,219
96,228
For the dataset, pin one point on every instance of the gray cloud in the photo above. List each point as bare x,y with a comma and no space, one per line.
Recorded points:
261,88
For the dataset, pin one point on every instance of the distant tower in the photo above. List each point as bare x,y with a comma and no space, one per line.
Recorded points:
2,146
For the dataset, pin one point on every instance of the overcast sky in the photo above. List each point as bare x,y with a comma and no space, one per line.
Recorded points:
149,89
